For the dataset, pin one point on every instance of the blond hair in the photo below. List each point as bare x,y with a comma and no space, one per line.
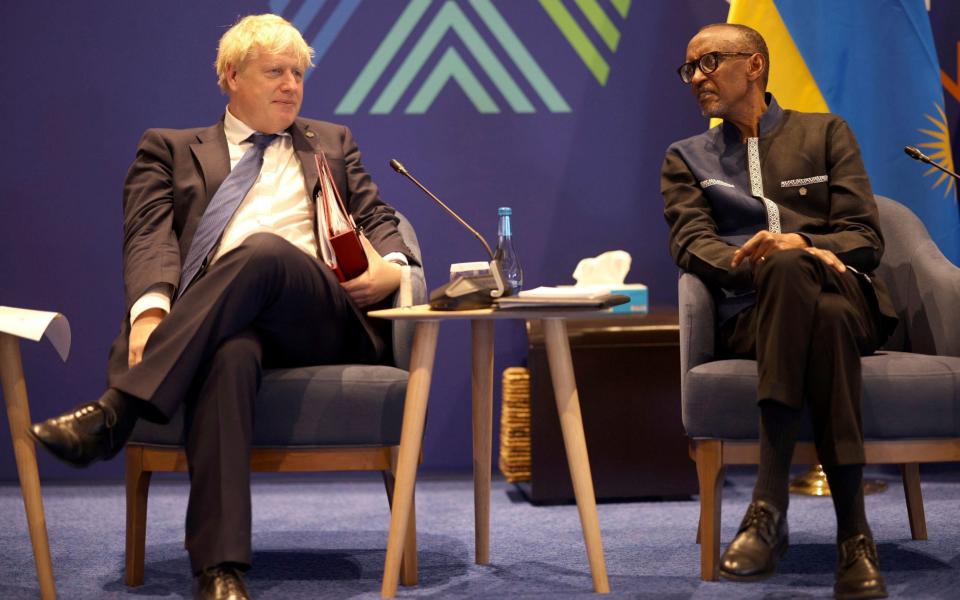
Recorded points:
256,34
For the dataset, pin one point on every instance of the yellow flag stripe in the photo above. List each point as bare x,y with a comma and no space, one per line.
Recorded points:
790,78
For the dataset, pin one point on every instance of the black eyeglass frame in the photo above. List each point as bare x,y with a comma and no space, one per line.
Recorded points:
698,64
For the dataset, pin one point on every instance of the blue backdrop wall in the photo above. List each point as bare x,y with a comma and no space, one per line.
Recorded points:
562,114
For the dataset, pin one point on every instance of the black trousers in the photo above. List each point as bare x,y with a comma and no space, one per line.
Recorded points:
265,304
807,331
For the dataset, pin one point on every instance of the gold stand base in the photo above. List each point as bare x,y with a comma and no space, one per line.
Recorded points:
814,483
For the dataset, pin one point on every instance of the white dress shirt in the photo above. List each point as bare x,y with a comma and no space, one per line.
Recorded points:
277,203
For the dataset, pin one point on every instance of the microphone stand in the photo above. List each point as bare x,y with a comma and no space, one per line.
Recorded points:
500,286
917,155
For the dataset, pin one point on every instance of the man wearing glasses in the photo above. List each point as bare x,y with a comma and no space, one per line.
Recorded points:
774,212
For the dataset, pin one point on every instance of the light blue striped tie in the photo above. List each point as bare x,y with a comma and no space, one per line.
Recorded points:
222,206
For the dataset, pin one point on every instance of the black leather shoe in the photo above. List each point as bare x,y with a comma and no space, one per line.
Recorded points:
219,583
94,431
761,541
858,570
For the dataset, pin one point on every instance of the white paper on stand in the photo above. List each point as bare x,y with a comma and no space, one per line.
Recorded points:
567,291
34,324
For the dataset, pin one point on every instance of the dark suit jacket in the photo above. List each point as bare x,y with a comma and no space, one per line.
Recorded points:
811,169
176,173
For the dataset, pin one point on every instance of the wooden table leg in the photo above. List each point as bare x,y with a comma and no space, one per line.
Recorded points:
411,437
482,378
571,424
18,414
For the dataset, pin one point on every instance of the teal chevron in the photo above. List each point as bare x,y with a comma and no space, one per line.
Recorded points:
521,57
449,18
451,67
604,27
384,53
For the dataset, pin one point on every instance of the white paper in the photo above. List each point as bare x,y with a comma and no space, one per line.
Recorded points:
567,291
34,324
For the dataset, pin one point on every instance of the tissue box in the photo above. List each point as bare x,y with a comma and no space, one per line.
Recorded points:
639,299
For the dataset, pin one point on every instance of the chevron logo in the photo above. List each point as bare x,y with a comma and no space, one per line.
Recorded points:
451,65
489,84
602,24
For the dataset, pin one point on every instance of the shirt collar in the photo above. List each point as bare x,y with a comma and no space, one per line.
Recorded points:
237,131
768,120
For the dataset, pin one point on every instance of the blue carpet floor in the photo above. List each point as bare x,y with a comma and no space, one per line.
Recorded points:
325,538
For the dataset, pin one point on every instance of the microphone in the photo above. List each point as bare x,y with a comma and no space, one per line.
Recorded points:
464,292
917,155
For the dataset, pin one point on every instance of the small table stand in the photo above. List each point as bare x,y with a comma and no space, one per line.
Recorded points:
22,324
414,414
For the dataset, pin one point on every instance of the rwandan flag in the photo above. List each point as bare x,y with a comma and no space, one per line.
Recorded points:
874,63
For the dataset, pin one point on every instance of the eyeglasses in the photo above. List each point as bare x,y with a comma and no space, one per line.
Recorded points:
707,63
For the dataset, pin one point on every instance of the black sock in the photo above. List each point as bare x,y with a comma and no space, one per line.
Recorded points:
779,427
846,489
125,407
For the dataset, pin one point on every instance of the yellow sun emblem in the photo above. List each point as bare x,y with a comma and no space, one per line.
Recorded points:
942,153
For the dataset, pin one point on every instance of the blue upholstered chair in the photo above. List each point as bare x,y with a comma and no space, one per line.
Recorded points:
911,389
322,418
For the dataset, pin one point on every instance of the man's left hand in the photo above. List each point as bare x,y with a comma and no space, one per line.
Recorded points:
765,243
380,279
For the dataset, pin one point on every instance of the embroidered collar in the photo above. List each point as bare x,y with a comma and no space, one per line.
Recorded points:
768,120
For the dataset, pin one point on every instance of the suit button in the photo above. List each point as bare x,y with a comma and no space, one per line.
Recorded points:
803,191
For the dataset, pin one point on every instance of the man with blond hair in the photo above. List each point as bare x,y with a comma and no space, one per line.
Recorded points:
228,271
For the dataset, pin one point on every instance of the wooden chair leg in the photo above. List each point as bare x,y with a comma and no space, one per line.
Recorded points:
408,566
710,475
138,486
911,489
408,563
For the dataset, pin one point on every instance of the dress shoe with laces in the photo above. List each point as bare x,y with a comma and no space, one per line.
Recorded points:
858,570
222,582
760,542
91,432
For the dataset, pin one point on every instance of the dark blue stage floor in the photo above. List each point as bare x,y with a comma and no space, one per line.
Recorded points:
325,538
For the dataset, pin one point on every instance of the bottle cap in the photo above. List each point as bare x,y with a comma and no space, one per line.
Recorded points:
504,210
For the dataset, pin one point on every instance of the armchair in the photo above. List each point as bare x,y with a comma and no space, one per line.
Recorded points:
320,418
911,388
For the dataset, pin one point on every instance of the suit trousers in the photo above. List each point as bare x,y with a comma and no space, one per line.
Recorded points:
807,331
264,304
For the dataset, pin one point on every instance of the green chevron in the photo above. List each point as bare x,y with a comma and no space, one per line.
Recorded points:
451,66
622,6
579,39
601,22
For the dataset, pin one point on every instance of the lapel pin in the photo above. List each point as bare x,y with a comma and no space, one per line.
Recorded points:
309,134
803,191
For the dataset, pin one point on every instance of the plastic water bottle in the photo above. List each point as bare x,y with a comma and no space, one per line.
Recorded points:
505,253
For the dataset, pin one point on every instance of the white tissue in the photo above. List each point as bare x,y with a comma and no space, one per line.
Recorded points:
610,268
